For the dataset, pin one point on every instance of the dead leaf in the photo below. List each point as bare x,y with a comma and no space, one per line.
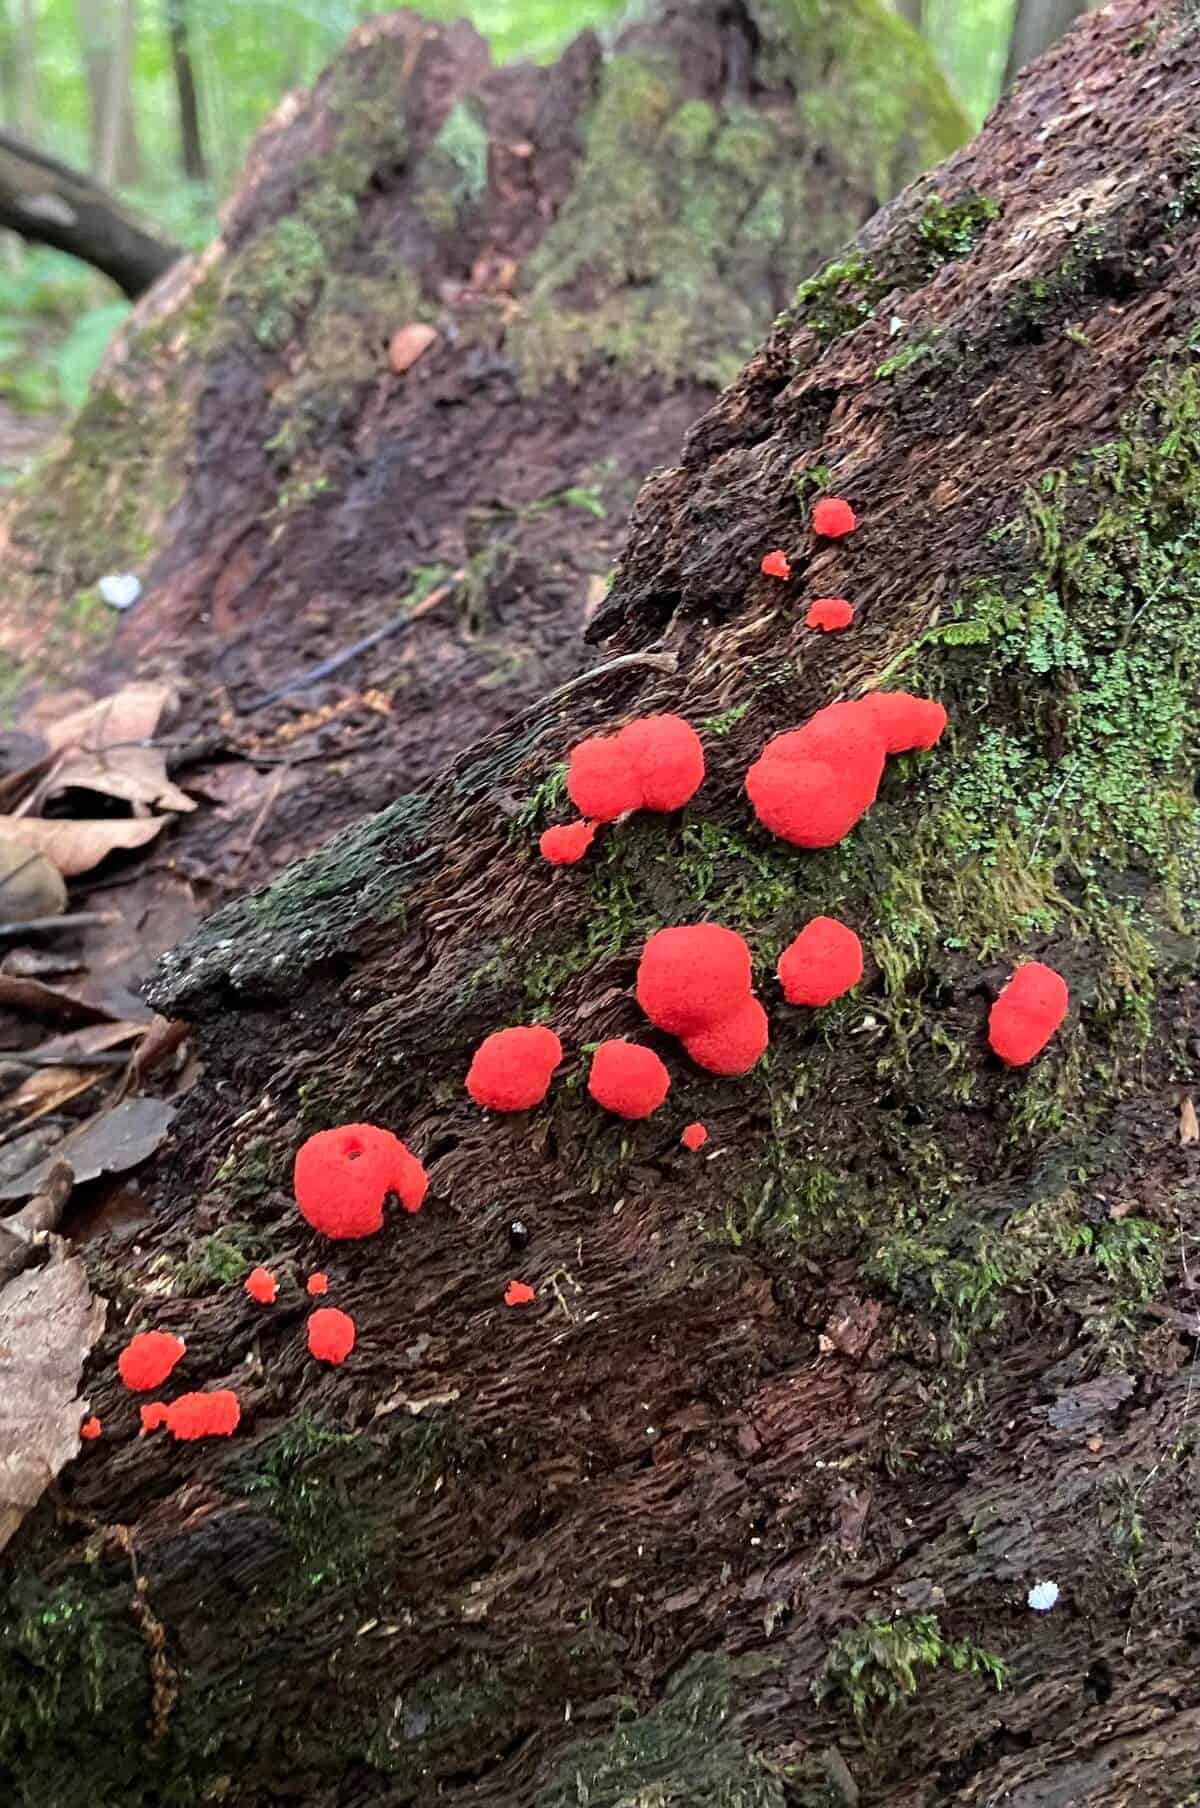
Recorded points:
76,847
408,343
49,1320
1189,1124
56,1084
59,1004
108,1144
103,749
30,885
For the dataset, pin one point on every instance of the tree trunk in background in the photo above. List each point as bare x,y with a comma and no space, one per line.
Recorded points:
747,1507
912,10
27,116
106,30
192,159
1036,25
51,204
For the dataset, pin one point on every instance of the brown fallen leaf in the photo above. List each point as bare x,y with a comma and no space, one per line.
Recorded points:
76,847
30,885
103,749
1189,1124
54,1085
408,343
108,1144
49,1320
58,1004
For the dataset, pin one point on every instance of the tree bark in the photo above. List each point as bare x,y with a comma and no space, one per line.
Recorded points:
52,204
1037,24
106,30
191,143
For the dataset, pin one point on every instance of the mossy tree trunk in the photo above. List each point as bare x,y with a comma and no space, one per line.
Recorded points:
746,1508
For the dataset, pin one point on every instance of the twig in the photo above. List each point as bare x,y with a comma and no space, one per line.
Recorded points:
21,1234
64,1061
84,919
268,804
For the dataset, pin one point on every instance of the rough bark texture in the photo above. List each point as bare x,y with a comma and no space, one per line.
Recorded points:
745,1509
597,245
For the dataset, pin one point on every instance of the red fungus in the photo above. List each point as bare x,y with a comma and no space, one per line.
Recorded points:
694,1136
511,1069
905,722
153,1416
330,1334
666,754
261,1285
734,1044
343,1176
564,845
1027,1013
601,782
148,1359
213,1415
829,613
518,1293
628,1080
824,961
691,977
776,565
832,516
90,1428
317,1283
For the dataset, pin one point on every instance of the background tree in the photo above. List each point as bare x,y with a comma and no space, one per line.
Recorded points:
1036,25
192,159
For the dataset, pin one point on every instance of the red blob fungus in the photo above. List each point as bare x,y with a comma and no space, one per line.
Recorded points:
90,1428
832,516
261,1285
1027,1013
148,1359
153,1416
829,613
518,1293
694,1136
733,1045
691,977
564,845
330,1334
213,1415
628,1080
824,961
317,1283
342,1177
666,754
511,1069
601,781
776,565
905,722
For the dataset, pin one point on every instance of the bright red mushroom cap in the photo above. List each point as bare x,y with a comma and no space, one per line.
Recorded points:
1027,1013
627,1079
261,1285
569,842
317,1283
824,961
511,1069
832,516
776,565
213,1415
829,613
601,782
733,1045
343,1176
905,722
330,1334
148,1359
694,1136
690,977
666,754
90,1428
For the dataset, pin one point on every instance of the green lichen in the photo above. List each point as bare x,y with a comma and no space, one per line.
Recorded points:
878,1664
453,173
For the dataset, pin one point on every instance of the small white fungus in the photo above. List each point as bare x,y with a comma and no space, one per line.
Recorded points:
119,589
1042,1596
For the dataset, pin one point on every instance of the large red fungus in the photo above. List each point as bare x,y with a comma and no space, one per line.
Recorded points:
569,842
694,1136
153,1416
342,1177
90,1428
776,565
1027,1013
511,1069
148,1359
691,977
601,781
628,1080
518,1293
824,961
317,1283
832,516
829,613
732,1045
653,763
213,1415
904,721
261,1285
330,1334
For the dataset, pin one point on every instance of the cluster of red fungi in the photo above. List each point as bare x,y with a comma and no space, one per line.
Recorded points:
808,787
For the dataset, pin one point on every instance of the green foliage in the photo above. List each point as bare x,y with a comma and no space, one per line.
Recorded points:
880,1663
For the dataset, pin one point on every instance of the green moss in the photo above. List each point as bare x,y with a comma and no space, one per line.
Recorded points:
300,1476
952,229
453,173
878,1664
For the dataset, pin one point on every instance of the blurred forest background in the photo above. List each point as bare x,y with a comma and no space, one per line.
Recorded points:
159,101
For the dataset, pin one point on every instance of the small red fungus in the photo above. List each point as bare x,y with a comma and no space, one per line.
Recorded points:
905,722
601,781
148,1359
90,1428
317,1283
653,763
261,1285
628,1080
564,845
1027,1013
832,516
518,1293
733,1045
691,977
330,1334
511,1069
776,565
153,1416
829,613
824,961
342,1177
694,1136
213,1415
